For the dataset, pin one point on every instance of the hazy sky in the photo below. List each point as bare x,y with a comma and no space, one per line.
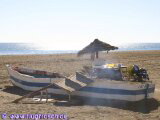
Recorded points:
72,24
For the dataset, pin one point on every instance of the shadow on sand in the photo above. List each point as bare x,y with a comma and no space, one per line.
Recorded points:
15,90
145,106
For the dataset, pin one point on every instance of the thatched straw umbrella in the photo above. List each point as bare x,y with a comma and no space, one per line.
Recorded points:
94,47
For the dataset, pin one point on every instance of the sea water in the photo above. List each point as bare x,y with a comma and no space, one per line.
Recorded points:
27,48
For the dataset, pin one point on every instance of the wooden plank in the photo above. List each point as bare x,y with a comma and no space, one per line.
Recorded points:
59,83
32,93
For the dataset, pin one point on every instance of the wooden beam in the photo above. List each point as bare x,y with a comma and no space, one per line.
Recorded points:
42,89
97,54
32,93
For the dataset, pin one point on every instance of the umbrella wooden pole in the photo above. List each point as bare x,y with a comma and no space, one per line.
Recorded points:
92,56
97,54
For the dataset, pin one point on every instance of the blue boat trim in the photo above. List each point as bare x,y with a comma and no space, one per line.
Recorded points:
32,84
116,91
89,89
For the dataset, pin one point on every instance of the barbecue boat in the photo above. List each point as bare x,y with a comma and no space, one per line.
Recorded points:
84,84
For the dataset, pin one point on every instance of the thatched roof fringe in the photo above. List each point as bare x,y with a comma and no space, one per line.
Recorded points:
96,46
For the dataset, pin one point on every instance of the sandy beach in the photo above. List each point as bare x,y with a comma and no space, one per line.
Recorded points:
68,64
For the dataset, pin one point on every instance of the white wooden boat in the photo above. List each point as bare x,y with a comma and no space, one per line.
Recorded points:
32,80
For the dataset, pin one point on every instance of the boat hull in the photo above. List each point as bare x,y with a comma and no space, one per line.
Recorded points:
102,89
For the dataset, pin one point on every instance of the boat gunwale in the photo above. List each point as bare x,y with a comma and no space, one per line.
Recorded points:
33,75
